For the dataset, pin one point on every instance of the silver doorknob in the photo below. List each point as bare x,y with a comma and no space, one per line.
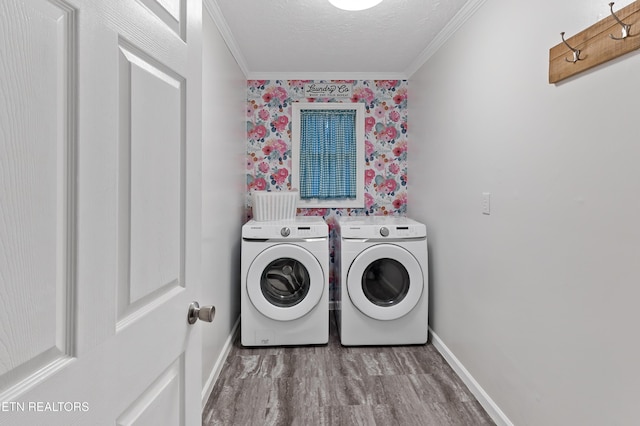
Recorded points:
206,313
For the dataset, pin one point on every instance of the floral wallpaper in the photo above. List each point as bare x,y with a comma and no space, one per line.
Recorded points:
268,162
269,140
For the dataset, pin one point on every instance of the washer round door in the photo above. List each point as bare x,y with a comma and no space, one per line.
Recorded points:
385,282
285,282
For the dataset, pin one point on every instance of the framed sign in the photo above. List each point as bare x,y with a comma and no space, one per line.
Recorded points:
328,90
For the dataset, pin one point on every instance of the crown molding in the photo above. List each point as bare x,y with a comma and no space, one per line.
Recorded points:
292,75
447,32
212,8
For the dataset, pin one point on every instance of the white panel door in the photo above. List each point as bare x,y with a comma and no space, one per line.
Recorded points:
100,138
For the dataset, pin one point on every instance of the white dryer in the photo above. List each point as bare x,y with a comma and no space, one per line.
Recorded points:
381,271
285,282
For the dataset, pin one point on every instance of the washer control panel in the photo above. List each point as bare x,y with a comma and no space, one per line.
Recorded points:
301,227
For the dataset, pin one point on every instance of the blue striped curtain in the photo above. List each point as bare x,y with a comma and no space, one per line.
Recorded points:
327,154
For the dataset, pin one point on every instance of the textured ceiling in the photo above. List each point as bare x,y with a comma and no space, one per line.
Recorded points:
312,39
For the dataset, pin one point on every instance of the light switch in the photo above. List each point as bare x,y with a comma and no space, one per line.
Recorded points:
486,203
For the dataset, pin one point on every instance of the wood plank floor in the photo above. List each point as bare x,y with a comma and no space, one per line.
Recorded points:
336,385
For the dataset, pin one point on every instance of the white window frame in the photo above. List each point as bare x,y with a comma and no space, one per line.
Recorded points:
358,201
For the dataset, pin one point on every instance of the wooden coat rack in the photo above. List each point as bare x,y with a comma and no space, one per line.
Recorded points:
607,39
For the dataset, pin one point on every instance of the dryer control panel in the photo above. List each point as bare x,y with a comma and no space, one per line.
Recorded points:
381,228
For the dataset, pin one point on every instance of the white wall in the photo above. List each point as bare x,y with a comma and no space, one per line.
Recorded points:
223,156
539,300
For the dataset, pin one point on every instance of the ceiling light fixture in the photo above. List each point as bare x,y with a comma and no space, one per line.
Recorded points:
354,4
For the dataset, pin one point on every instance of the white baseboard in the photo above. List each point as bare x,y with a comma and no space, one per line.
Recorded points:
483,398
217,367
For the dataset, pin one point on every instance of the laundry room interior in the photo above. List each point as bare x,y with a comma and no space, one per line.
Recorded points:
475,260
534,302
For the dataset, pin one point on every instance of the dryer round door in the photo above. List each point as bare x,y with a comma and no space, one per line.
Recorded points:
285,282
385,282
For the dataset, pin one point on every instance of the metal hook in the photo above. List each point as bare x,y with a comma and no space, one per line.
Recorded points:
576,52
625,27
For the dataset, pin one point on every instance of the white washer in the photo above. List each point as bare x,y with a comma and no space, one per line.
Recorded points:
285,282
381,271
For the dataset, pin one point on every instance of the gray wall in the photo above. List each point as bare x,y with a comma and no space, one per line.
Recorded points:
539,300
223,156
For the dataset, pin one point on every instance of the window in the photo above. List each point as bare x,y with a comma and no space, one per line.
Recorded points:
328,154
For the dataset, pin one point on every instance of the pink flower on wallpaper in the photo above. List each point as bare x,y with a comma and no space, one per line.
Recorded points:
368,148
400,97
394,116
388,134
369,122
368,200
275,92
280,123
379,165
249,111
386,84
399,149
258,132
394,168
267,149
281,93
379,113
360,93
368,95
368,176
280,176
249,163
280,146
299,84
390,185
400,201
264,115
263,167
257,83
260,184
